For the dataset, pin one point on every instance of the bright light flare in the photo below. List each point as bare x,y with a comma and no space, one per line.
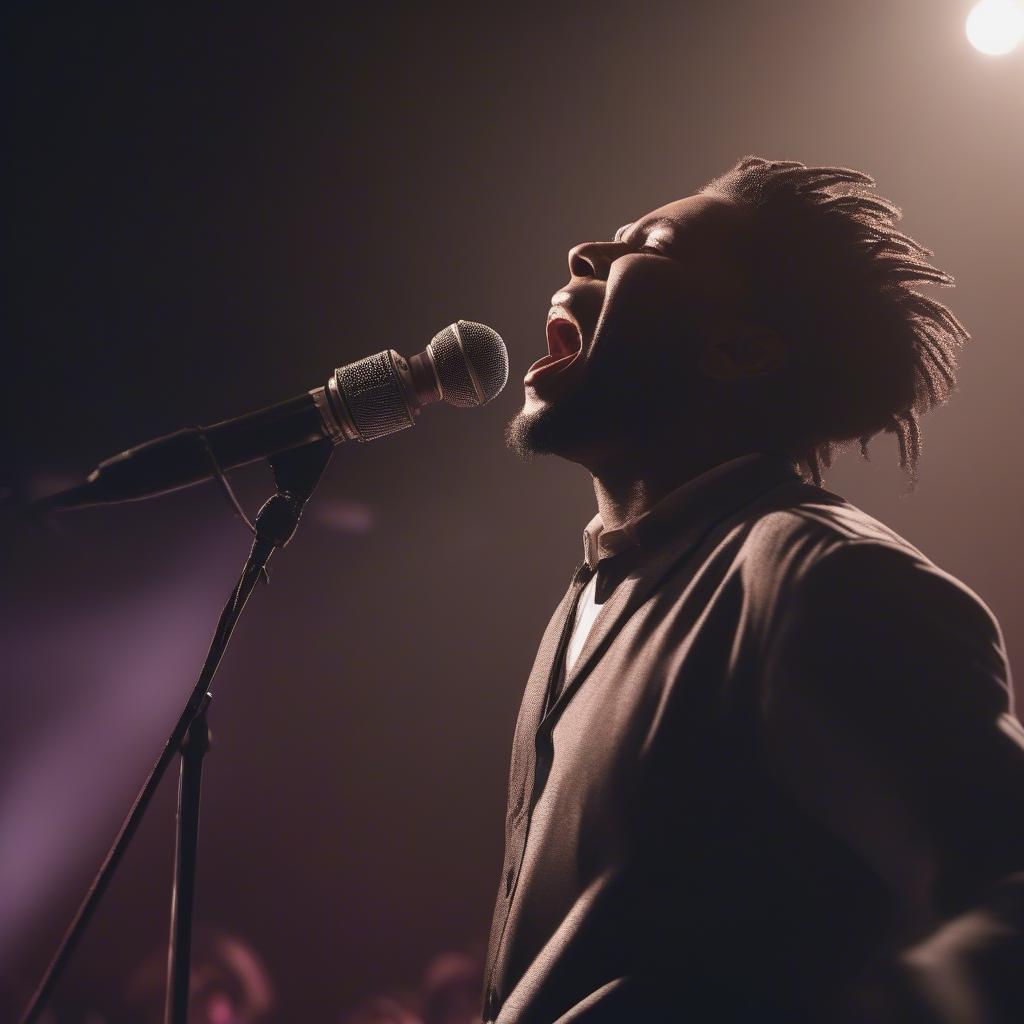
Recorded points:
995,27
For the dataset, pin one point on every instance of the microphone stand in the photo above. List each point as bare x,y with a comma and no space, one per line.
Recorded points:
296,474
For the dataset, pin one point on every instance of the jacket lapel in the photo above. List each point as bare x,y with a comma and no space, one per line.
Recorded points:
617,610
532,709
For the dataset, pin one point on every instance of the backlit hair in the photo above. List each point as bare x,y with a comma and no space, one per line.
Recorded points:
832,275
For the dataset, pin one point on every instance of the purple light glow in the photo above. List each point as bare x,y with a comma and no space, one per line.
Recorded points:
345,516
133,660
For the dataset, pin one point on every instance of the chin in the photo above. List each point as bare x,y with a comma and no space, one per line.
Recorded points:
570,428
527,434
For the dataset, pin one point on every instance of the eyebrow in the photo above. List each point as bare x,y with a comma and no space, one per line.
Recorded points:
661,222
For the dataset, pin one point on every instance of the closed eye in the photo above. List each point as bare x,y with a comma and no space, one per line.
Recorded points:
651,250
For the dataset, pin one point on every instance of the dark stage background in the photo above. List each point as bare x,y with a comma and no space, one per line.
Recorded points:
209,211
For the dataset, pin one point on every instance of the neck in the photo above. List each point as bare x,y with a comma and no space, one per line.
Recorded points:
631,486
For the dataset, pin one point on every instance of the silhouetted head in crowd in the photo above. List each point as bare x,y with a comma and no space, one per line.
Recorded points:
229,984
448,994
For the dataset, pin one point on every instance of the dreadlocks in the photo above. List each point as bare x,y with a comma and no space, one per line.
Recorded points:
829,271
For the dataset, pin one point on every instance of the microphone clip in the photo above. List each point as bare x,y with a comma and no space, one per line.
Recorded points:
278,520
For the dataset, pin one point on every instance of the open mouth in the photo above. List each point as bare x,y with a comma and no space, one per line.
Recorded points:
565,342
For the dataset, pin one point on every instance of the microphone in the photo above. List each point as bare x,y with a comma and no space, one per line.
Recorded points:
464,365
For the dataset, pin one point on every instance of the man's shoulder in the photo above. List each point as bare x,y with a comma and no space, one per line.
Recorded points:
801,524
810,545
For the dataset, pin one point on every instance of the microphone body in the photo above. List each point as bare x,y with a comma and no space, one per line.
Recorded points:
465,364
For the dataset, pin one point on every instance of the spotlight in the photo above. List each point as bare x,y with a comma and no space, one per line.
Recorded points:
995,27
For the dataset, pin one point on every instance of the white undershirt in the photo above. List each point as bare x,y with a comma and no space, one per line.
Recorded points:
586,612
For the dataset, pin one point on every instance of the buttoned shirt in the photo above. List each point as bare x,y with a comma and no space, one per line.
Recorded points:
785,746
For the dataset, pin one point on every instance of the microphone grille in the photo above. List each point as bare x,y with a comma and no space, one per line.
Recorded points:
471,362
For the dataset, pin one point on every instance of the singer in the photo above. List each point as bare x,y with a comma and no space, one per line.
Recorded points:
766,767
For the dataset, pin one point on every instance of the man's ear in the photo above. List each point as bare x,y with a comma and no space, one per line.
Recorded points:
743,350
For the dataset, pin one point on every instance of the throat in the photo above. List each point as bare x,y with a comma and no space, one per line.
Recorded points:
624,501
634,484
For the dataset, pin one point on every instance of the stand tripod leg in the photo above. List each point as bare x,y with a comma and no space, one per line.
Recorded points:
179,954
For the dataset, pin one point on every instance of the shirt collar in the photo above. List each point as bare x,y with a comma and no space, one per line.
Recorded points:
691,507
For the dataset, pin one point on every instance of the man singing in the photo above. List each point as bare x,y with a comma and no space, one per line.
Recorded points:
766,766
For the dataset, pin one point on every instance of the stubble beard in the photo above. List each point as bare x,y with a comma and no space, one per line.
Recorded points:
547,431
602,411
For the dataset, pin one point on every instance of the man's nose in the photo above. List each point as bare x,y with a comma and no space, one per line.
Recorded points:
592,259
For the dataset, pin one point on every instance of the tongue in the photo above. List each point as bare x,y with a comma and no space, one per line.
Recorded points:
549,365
